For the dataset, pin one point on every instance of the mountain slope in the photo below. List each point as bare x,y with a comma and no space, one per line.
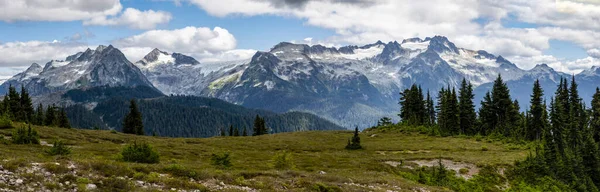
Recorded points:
177,116
105,66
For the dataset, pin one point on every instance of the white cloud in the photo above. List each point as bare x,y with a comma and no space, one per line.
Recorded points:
20,54
133,18
568,20
594,53
185,40
91,12
57,10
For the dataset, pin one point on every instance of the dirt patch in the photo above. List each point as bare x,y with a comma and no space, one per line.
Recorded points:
45,143
403,152
451,165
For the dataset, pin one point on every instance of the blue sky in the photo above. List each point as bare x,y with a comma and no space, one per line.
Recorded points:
526,33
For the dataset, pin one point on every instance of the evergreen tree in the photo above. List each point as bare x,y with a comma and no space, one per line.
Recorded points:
63,120
223,132
132,124
354,143
14,103
384,121
259,126
236,132
536,112
230,130
412,106
39,115
467,113
26,109
430,110
245,133
501,106
51,116
453,120
442,111
595,116
487,118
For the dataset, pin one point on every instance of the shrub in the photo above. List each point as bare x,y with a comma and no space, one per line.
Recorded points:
25,136
320,187
484,148
140,153
115,184
113,131
59,148
283,161
5,122
221,161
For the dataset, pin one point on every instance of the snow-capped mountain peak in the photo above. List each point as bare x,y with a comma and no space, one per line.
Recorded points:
157,57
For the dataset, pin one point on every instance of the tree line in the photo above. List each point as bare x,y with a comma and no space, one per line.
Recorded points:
567,133
17,106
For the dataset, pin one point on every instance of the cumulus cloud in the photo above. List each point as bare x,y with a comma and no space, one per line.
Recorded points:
185,40
91,12
133,18
594,53
20,54
473,24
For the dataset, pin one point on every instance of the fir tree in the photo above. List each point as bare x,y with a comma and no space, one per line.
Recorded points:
39,115
384,121
487,117
354,143
430,110
51,116
536,112
63,120
132,124
14,103
26,108
259,126
595,116
467,113
501,105
230,130
412,106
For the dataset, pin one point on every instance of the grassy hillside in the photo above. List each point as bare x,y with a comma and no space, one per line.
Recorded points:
320,161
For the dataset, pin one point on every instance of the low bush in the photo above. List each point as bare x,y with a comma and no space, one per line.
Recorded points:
283,161
140,153
26,136
221,161
59,148
5,122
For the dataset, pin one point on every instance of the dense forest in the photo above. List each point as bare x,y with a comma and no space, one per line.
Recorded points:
565,133
180,116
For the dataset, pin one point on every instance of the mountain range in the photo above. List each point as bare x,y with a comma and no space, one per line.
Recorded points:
350,85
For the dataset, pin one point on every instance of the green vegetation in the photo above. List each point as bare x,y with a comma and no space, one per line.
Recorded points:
132,124
221,161
140,153
354,142
25,136
319,161
59,148
283,161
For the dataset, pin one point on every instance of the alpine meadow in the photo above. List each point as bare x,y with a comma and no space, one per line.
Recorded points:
299,95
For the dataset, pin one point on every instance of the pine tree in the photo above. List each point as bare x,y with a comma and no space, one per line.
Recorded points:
236,132
442,111
487,118
354,143
595,116
14,103
51,116
536,110
467,113
230,130
502,104
245,133
259,126
384,121
453,120
430,110
26,109
39,115
63,120
132,123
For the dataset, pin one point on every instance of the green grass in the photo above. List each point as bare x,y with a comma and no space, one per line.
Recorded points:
96,151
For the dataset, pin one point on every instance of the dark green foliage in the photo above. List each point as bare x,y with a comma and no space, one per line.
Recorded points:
245,133
259,126
467,114
5,121
105,92
25,136
354,142
63,120
487,118
14,103
140,153
38,117
595,117
26,108
448,119
536,122
384,121
283,161
236,132
429,106
230,130
51,118
59,148
190,116
221,161
132,124
223,132
412,106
